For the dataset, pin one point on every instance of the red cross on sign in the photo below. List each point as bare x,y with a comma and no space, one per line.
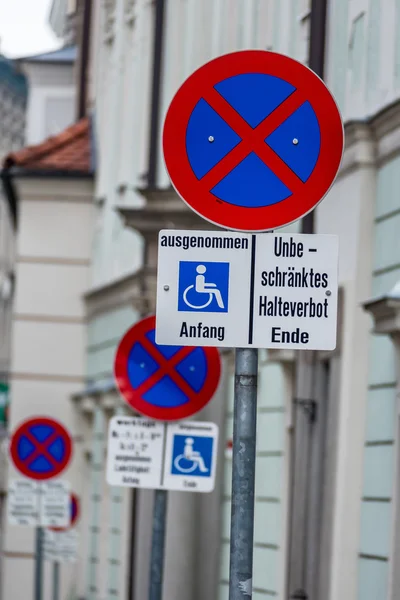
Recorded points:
253,140
167,383
41,448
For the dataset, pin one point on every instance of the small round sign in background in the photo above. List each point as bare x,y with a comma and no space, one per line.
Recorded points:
41,448
167,383
253,140
74,514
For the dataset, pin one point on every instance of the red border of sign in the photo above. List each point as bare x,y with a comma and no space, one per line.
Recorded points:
58,429
133,397
74,500
198,197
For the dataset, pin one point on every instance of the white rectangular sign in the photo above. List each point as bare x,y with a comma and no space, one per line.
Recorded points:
23,503
39,504
68,543
55,503
174,456
239,290
61,546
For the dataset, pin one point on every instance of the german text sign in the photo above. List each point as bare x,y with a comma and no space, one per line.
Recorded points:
174,456
39,504
23,503
61,546
55,503
247,290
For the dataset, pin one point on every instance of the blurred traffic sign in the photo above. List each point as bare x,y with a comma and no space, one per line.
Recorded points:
74,509
191,456
61,546
240,290
173,456
54,503
38,503
74,513
167,383
41,448
253,140
23,503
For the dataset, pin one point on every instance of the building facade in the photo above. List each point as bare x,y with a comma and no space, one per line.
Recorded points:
40,192
328,481
142,51
52,93
52,184
13,97
327,458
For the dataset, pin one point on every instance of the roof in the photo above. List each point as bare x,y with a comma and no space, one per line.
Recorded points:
69,152
66,55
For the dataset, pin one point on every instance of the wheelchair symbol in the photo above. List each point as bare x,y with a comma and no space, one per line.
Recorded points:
203,287
190,456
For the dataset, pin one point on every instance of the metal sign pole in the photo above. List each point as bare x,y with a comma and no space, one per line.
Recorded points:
56,580
39,564
158,544
243,474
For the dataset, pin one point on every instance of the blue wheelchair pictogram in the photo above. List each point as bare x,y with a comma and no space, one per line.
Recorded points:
192,455
203,286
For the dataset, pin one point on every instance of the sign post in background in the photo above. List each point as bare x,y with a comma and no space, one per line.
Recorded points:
165,383
4,401
41,448
252,141
74,513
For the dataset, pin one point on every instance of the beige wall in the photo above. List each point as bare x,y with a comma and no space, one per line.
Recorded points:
348,211
49,340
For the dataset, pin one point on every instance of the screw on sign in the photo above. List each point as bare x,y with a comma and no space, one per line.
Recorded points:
253,140
167,383
41,448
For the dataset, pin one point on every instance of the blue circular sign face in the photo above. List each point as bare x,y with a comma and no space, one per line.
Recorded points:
41,448
167,383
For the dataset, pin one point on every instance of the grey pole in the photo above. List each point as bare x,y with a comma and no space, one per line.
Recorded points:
39,564
243,475
158,544
56,580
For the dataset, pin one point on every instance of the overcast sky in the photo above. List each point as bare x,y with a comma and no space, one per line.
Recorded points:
24,28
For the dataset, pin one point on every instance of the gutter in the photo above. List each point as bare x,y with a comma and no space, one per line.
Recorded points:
84,59
11,196
316,62
303,561
159,18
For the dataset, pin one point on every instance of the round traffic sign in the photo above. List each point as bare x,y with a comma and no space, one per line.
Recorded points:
74,514
253,140
167,383
41,448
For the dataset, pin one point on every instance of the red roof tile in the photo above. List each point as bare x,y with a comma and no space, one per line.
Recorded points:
67,151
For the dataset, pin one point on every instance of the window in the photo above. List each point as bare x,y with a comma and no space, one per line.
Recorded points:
59,115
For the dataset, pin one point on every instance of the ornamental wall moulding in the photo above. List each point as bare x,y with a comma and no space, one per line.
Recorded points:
109,7
385,311
372,141
114,294
129,11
